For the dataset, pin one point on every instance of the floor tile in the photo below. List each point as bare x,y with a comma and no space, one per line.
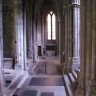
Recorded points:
29,93
47,94
48,81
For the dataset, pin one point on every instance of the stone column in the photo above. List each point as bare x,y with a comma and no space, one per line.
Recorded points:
76,30
24,38
28,35
93,75
83,51
69,68
33,39
29,29
38,35
19,34
92,83
65,39
31,44
68,38
42,39
67,42
2,81
89,44
57,34
61,36
82,78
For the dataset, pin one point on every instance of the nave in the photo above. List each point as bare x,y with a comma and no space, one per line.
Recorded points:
46,79
30,29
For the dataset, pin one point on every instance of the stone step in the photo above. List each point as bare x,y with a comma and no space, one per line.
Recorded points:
68,86
72,81
74,75
21,80
14,84
17,90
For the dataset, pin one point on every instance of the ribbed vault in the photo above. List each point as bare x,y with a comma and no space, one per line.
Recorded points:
43,6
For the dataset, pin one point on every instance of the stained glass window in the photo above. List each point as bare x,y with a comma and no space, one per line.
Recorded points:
51,21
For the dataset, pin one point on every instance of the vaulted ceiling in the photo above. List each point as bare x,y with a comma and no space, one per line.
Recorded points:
42,6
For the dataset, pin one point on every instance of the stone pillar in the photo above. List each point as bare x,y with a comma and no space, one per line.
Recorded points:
92,83
42,39
68,38
19,24
33,39
68,33
20,36
61,36
13,6
65,40
89,44
76,30
31,44
24,38
87,82
57,35
93,75
2,81
41,35
29,29
8,29
36,37
82,78
69,65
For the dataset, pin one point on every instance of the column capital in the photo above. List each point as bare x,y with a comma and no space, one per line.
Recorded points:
67,6
75,5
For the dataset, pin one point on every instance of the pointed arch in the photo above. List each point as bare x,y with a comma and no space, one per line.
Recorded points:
51,26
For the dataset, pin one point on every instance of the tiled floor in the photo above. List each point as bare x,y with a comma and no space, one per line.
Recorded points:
47,94
29,93
46,80
13,79
45,85
47,69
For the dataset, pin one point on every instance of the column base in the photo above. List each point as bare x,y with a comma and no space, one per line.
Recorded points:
91,90
75,62
18,66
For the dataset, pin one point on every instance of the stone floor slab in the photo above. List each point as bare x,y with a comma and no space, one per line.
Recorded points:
47,94
29,93
49,81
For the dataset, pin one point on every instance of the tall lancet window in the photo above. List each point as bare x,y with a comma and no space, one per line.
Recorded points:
51,22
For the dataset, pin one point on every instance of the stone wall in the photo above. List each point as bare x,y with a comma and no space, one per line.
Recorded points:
8,29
